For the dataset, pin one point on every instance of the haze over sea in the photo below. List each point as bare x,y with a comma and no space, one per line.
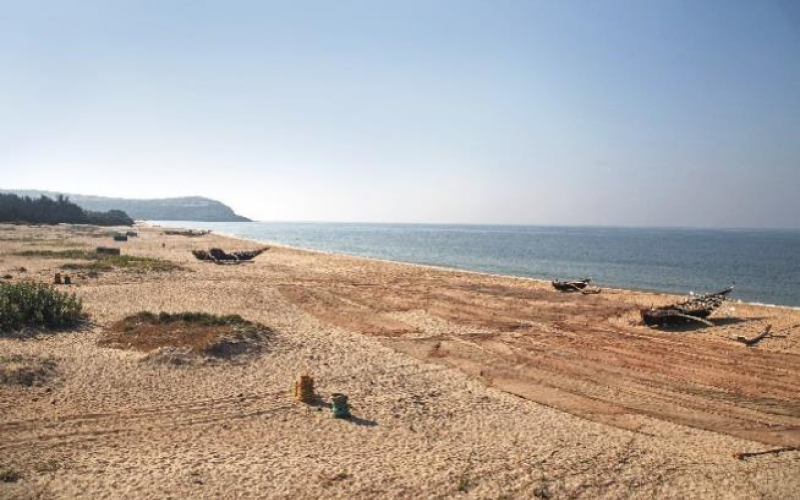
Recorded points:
764,264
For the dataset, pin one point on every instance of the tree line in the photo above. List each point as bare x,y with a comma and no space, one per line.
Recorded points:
45,210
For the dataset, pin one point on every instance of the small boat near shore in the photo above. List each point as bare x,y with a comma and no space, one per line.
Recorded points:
572,286
220,256
695,309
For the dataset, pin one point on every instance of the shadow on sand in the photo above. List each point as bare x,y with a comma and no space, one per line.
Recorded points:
29,333
321,404
690,326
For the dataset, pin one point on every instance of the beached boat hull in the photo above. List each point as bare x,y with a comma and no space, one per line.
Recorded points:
698,307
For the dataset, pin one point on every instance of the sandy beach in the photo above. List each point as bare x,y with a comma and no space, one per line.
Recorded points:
462,385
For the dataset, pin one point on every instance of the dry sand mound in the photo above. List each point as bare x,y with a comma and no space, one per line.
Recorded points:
177,338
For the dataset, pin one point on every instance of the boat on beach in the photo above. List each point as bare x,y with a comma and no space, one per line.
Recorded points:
571,286
695,309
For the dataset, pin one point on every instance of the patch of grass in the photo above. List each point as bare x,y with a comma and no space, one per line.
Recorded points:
37,305
90,231
200,333
47,466
197,318
26,371
94,267
31,239
464,484
72,253
465,481
103,262
126,262
8,475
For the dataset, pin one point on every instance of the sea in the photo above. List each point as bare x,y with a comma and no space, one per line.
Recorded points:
764,265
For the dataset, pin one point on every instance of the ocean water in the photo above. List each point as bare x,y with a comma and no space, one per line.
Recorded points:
764,264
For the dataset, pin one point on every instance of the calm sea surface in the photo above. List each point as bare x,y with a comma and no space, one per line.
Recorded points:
764,264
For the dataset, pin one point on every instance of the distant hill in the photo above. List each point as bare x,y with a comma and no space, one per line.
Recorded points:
189,208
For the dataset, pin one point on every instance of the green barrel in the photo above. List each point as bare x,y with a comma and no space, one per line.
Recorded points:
340,407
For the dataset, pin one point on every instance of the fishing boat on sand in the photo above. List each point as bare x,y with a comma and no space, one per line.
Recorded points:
219,256
571,286
695,309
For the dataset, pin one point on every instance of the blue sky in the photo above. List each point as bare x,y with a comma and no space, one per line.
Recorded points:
676,113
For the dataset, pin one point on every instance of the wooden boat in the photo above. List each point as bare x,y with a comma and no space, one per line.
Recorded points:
572,286
695,309
220,256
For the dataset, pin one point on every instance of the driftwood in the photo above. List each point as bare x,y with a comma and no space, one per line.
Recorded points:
220,256
695,309
776,451
755,340
768,333
581,286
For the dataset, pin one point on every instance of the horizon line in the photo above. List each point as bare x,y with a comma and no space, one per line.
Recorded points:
503,224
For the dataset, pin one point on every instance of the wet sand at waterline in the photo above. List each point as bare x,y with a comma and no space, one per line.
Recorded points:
462,385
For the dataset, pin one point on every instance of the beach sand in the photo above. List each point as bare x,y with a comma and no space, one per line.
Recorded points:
462,385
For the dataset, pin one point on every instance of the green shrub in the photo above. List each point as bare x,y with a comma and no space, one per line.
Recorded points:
37,305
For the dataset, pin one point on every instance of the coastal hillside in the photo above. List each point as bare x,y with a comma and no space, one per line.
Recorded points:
44,210
191,208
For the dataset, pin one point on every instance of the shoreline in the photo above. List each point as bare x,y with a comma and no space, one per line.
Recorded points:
657,293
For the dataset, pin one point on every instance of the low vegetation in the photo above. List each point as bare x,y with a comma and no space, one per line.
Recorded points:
125,262
72,253
35,305
103,262
91,231
192,332
26,371
9,475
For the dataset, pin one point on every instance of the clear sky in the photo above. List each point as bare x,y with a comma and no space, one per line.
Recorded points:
677,113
